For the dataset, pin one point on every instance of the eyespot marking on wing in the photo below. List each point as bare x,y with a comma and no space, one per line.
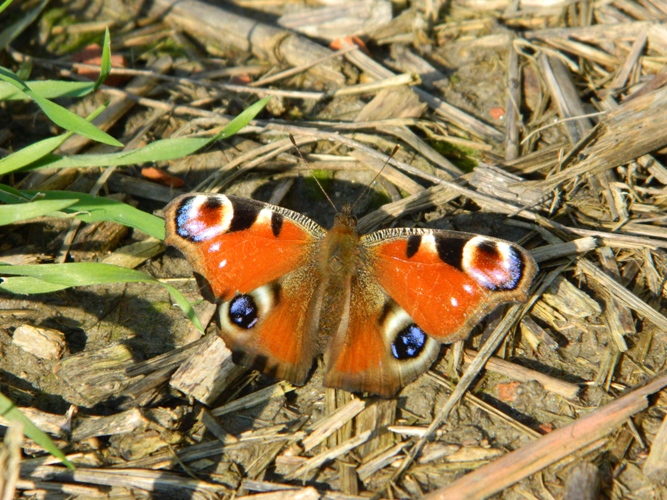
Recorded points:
495,265
200,218
245,311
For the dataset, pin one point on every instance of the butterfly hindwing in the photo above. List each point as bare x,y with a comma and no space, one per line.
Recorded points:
379,348
447,281
257,258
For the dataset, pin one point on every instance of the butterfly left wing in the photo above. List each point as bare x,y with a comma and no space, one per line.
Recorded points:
414,289
257,259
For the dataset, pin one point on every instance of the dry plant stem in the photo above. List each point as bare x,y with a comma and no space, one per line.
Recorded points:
295,71
148,480
523,374
512,114
647,133
449,112
621,293
331,454
10,460
226,28
535,456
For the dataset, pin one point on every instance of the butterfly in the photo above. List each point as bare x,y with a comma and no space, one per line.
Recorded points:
377,306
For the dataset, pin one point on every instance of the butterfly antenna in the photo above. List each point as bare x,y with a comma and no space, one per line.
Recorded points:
368,186
298,151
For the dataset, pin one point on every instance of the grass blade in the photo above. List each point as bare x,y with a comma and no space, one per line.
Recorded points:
10,412
94,273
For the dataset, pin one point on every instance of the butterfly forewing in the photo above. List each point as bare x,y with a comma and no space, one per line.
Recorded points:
239,244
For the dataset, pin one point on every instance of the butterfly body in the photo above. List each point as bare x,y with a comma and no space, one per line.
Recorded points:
378,305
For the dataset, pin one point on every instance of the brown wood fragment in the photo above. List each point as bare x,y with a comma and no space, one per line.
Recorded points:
655,466
219,26
583,483
536,335
96,375
533,457
119,423
207,372
349,481
523,374
134,255
570,300
45,343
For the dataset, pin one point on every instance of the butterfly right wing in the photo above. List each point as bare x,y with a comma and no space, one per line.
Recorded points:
257,258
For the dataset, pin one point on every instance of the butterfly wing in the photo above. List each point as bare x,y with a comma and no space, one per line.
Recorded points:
377,348
256,258
414,289
448,281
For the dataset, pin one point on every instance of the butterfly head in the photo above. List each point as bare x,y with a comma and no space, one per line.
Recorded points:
344,220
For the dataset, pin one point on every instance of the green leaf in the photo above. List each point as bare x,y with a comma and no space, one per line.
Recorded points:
59,115
105,65
10,412
10,214
11,32
96,209
49,89
164,150
94,273
37,150
25,285
6,4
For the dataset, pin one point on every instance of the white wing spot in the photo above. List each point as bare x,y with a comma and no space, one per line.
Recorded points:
214,247
454,301
222,264
468,288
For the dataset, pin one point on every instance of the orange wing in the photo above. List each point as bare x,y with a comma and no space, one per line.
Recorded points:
258,259
448,281
414,289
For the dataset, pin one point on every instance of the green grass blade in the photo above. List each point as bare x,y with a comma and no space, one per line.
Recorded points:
25,285
94,273
49,89
10,412
6,4
11,32
59,115
31,153
9,214
164,150
105,65
36,151
90,208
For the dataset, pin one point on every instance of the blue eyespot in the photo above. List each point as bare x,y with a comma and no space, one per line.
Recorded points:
243,311
409,342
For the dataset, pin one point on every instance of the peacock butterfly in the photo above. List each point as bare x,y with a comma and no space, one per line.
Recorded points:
378,305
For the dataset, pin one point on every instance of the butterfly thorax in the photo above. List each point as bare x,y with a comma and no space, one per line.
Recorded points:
340,247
